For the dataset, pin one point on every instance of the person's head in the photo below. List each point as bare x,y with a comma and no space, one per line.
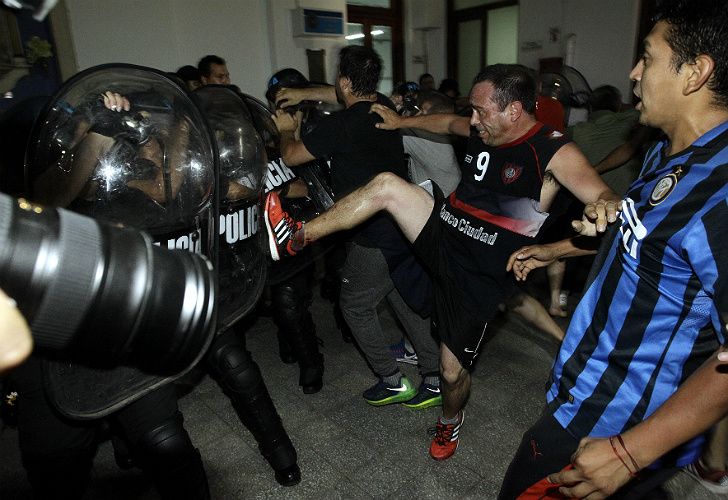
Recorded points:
606,97
427,82
213,69
433,102
503,96
684,63
287,77
409,92
359,71
190,76
449,87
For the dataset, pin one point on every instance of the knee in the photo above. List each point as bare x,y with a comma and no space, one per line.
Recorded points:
231,364
168,439
385,188
452,373
291,306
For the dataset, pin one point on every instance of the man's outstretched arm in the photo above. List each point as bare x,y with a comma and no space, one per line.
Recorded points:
286,97
440,123
526,259
573,171
697,405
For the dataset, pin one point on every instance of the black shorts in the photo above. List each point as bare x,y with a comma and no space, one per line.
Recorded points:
459,320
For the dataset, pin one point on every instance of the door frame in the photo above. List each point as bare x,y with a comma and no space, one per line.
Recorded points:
479,13
369,16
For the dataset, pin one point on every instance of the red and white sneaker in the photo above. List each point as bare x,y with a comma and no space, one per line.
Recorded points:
446,440
281,228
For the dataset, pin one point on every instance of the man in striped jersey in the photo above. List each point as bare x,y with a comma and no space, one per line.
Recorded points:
637,380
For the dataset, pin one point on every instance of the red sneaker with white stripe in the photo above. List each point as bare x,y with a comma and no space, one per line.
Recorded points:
281,227
446,440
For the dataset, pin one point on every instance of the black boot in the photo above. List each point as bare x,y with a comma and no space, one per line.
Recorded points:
240,379
310,360
257,412
285,350
291,300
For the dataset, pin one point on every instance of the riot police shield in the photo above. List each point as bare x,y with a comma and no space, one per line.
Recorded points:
124,144
242,160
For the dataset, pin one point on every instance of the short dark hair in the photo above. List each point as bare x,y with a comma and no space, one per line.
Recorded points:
605,97
449,85
512,82
205,64
423,76
439,103
362,66
699,27
188,73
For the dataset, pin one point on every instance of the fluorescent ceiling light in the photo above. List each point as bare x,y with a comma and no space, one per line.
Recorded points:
361,35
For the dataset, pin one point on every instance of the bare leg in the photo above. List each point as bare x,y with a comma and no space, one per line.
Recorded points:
555,273
454,383
409,205
532,311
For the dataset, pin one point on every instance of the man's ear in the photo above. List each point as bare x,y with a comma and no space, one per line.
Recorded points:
697,73
515,110
345,83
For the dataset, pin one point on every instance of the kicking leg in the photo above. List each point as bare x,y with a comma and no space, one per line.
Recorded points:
409,205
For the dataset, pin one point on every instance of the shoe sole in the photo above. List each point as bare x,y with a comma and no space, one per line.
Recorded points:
428,403
441,459
272,246
409,361
397,398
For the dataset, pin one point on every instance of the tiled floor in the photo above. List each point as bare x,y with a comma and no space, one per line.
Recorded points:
348,449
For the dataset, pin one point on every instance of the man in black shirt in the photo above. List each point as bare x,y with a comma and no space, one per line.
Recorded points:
358,151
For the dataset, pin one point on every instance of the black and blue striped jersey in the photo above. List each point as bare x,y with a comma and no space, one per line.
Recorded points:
651,315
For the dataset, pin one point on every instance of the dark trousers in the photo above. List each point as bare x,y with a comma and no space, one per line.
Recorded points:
547,448
57,452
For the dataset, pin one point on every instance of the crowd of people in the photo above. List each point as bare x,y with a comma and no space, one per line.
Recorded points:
639,383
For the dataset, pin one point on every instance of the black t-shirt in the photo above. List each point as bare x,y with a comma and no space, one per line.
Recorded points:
358,151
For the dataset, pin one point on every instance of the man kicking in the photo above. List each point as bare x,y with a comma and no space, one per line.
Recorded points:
513,168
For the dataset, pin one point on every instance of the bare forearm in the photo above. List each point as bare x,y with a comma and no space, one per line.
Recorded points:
288,139
696,406
576,246
619,156
439,123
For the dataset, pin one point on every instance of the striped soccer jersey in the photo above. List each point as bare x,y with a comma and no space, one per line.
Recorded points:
650,316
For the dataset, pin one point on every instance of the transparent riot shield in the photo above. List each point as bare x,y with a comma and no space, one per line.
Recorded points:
124,144
242,158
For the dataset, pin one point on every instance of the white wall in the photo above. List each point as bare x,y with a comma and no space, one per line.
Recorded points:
254,36
425,34
289,51
606,36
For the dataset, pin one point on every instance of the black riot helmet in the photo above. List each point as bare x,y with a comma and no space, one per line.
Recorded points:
287,77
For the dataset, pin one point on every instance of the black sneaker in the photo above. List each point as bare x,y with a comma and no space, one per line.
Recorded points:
381,393
427,397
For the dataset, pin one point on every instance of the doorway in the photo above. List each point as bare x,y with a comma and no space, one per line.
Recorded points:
480,32
377,24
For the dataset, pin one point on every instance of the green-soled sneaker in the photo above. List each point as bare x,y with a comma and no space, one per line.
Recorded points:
381,393
427,397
